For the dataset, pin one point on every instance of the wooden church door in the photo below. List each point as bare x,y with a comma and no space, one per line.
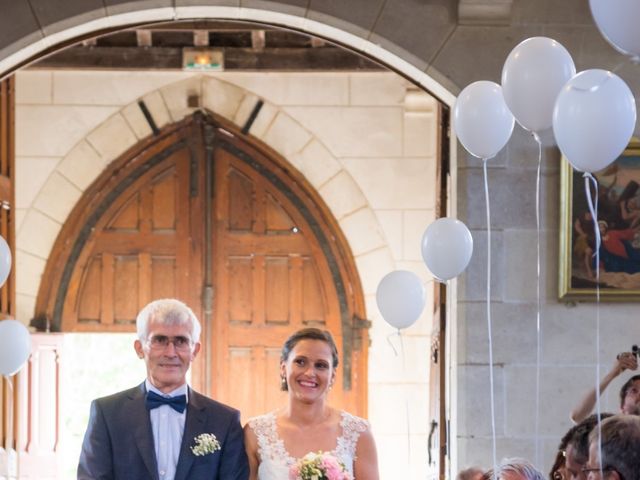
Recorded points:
211,217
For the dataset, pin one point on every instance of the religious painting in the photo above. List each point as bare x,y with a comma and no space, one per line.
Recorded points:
618,203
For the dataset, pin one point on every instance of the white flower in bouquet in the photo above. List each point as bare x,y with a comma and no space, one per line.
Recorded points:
318,466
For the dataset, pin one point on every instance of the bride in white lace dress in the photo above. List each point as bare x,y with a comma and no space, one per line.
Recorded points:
276,440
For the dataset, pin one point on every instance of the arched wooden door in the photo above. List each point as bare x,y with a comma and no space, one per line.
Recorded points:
210,216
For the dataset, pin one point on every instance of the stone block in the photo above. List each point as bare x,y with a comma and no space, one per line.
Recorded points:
248,103
20,214
394,183
54,18
157,108
472,283
391,222
82,165
480,51
176,95
357,17
286,135
31,173
264,120
291,89
25,307
114,88
33,88
56,128
474,401
372,267
520,260
316,163
363,232
101,139
400,360
354,131
415,222
398,456
399,408
384,88
512,194
414,31
38,233
57,197
420,136
221,97
29,270
565,385
343,195
137,121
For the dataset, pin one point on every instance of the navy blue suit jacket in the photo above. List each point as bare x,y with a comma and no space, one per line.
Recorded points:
118,443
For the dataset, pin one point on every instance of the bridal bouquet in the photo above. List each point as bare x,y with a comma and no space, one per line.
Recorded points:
318,466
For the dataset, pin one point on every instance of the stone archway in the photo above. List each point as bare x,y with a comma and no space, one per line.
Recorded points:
377,259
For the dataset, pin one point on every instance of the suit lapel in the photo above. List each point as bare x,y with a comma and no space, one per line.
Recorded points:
142,431
194,426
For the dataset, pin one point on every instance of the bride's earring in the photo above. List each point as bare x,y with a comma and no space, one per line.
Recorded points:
283,384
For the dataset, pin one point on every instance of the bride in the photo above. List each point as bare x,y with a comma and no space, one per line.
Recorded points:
275,441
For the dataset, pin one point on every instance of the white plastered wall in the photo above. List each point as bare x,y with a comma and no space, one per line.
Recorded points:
366,141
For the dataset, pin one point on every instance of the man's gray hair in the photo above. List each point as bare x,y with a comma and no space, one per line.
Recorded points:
167,311
620,444
521,467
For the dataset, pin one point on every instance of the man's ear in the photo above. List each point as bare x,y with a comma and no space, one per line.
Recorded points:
196,349
137,345
615,475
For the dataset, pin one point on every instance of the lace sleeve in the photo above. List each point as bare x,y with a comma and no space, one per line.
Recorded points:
352,427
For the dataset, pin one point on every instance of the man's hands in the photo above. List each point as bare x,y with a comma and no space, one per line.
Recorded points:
625,361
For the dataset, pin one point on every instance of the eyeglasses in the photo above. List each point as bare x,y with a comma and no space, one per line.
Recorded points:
586,470
160,342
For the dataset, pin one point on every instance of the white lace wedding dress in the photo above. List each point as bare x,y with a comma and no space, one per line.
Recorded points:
275,461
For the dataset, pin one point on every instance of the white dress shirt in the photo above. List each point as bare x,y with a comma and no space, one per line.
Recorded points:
168,428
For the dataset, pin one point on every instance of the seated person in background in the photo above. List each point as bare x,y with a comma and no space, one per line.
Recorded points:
629,393
473,473
577,446
619,455
515,469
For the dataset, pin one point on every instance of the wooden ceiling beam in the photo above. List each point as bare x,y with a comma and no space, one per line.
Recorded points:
163,58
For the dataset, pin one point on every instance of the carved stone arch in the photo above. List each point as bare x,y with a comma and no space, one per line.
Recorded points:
140,232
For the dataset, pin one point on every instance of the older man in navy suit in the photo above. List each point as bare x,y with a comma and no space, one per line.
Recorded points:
162,429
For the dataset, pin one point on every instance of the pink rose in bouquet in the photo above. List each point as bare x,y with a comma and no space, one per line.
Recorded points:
318,466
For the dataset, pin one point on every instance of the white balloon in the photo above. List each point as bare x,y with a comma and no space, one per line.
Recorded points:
481,119
400,297
15,346
447,246
533,74
617,20
593,119
5,261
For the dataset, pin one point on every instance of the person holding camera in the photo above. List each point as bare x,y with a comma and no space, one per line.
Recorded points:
629,393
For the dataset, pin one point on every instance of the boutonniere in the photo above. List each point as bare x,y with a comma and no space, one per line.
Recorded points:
206,443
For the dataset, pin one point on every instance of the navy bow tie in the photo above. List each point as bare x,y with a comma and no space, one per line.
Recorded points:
153,400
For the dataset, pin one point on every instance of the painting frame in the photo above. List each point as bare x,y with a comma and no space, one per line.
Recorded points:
619,188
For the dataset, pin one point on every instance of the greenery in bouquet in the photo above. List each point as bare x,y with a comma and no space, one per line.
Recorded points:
319,466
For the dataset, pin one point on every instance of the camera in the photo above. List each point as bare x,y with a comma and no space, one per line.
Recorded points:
635,350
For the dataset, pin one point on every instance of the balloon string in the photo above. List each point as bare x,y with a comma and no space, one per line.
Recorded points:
10,422
493,414
594,215
406,399
538,321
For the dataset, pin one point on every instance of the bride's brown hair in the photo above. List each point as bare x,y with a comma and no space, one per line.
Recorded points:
310,333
